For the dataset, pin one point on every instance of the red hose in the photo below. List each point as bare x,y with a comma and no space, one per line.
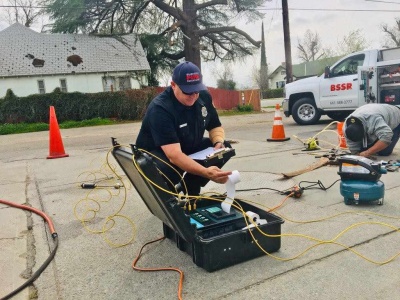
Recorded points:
54,235
36,211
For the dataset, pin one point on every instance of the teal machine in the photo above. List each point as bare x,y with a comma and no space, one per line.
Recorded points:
360,180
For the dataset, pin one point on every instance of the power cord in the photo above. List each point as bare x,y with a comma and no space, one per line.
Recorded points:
159,269
294,191
54,235
316,185
262,188
99,198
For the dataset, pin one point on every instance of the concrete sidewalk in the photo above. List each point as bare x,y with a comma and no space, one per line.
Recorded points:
268,105
87,267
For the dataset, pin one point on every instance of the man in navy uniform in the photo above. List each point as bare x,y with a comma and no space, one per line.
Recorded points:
174,126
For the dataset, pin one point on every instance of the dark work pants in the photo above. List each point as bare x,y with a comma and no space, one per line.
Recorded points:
389,149
193,182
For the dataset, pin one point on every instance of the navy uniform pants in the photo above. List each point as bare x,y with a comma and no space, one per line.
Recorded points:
173,179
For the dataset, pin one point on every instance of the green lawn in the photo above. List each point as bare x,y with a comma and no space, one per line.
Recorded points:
33,127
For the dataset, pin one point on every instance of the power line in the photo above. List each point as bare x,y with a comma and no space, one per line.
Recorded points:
383,1
272,18
25,6
260,9
336,9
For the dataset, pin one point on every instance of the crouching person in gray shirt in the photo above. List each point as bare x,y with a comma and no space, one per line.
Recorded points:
373,129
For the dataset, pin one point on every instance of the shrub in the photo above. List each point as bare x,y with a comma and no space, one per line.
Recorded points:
245,107
122,105
272,93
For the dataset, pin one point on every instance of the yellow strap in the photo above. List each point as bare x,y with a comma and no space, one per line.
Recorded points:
217,134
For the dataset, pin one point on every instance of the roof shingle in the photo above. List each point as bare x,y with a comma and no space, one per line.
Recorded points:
22,48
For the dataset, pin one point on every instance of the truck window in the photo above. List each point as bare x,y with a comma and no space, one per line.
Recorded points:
348,66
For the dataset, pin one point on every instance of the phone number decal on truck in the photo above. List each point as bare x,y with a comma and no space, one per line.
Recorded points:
341,86
340,102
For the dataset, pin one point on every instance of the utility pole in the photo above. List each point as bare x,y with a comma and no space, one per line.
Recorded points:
286,36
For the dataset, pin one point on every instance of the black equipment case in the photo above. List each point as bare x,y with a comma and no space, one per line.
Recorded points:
213,246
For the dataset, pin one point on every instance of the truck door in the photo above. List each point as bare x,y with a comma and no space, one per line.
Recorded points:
340,89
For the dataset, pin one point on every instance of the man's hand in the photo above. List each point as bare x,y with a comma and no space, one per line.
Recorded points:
219,145
378,146
217,175
178,158
365,153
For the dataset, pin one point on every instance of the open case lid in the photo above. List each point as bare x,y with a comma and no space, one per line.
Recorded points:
160,203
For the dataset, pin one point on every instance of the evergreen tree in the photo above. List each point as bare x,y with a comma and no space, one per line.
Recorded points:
186,29
264,65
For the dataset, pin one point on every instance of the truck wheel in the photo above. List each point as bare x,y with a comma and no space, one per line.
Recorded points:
305,112
338,115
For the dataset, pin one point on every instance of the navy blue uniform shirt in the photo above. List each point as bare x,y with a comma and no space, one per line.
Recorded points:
167,121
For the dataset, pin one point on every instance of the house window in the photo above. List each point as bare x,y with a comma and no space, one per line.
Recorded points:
42,89
283,72
109,84
63,85
124,83
280,84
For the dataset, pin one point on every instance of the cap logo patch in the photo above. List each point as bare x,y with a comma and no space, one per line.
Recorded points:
191,77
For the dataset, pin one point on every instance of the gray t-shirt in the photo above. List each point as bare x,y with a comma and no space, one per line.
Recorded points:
378,120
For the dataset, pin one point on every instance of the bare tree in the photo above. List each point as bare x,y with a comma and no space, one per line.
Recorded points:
24,12
352,42
224,76
393,33
260,78
329,52
310,49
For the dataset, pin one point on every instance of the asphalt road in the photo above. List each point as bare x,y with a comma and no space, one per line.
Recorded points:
321,256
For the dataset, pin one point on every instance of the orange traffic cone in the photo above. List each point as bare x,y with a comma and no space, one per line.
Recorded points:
278,132
56,144
342,139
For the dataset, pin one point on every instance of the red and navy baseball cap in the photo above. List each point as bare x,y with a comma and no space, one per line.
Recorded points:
188,77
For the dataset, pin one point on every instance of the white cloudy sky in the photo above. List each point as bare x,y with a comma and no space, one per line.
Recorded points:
332,20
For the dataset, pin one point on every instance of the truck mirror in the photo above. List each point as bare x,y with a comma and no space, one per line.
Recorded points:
327,72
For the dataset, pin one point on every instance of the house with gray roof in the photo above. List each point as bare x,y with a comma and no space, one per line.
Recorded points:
33,62
277,78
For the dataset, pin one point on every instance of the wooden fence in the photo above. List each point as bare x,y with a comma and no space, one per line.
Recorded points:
229,99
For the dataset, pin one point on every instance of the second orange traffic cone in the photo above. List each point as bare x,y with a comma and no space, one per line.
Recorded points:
56,144
342,139
278,132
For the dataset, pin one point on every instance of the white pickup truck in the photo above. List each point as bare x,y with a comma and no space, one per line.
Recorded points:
370,76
